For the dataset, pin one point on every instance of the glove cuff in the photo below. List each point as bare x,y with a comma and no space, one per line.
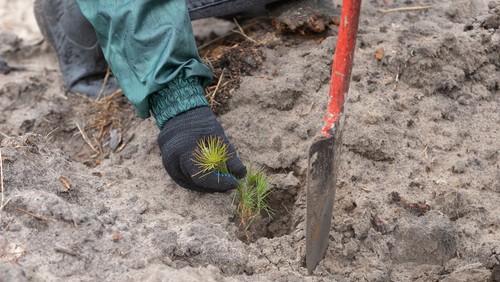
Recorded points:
179,95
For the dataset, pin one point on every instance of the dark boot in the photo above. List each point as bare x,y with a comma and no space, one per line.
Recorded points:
81,59
199,9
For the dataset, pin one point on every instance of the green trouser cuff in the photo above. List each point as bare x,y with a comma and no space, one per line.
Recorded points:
180,95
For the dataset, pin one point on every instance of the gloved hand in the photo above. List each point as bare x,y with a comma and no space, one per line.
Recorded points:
178,141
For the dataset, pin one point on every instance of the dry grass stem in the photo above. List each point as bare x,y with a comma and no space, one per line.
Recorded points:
124,143
404,9
242,33
50,134
215,40
302,113
424,152
108,111
211,96
219,38
106,118
2,199
86,138
103,86
1,175
4,134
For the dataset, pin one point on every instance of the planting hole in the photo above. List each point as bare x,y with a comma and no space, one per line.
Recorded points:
280,222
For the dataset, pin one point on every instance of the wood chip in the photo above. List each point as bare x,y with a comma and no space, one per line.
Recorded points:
379,53
65,183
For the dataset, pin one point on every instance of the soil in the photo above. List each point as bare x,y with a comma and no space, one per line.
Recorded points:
87,199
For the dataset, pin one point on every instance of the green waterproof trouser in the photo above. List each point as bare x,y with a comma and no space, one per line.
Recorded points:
150,47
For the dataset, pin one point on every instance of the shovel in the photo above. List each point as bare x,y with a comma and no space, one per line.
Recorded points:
324,153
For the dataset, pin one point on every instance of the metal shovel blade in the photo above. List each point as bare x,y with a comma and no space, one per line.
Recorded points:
322,178
324,154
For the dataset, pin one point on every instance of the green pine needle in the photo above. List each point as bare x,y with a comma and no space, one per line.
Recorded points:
253,192
211,155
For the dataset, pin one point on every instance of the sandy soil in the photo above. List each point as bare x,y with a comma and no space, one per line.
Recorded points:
419,186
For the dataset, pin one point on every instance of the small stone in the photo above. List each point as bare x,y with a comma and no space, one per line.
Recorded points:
459,167
138,264
350,249
452,203
276,143
9,42
141,207
362,226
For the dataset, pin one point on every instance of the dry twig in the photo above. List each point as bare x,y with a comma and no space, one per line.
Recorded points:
63,250
37,216
405,9
418,208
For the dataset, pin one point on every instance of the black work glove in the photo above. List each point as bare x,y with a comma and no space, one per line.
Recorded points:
178,141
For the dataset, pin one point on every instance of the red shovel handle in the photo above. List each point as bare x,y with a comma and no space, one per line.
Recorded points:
342,62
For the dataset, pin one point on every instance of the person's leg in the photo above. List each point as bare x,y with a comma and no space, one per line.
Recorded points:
80,57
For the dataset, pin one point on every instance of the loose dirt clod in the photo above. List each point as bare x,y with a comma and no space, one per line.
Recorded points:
304,16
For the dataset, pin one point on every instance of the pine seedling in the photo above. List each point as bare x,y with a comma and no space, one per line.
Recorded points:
253,191
211,155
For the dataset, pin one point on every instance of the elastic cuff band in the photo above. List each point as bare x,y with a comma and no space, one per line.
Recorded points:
180,95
